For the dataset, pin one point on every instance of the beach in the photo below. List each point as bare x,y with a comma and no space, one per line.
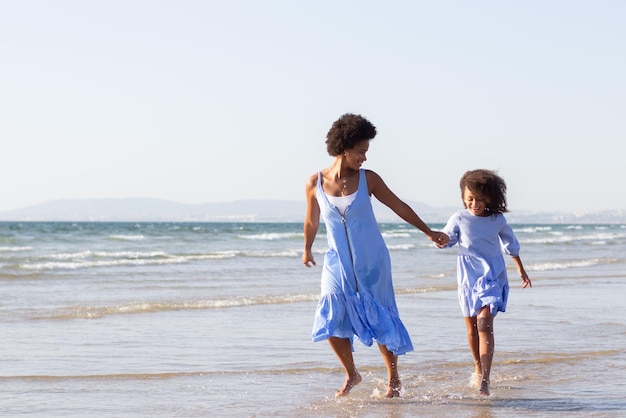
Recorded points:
214,319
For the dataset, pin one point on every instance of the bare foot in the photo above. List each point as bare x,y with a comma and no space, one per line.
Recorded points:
393,390
478,369
484,388
475,380
351,382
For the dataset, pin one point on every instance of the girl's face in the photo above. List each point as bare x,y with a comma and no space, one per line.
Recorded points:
356,155
476,203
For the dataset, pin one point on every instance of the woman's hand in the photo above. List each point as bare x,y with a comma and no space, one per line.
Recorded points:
307,259
440,239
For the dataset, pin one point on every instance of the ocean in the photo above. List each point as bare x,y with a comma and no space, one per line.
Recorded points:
214,320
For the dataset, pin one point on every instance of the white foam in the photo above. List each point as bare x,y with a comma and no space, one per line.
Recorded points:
271,236
127,237
15,249
570,264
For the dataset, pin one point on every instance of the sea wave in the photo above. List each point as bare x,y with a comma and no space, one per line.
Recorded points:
571,264
430,289
15,249
559,237
70,256
78,264
130,254
169,375
532,229
96,312
393,247
87,259
565,357
272,236
397,234
120,237
111,376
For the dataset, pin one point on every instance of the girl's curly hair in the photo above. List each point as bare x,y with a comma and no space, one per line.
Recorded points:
487,184
347,131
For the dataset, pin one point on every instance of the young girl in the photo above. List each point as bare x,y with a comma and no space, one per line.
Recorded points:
483,233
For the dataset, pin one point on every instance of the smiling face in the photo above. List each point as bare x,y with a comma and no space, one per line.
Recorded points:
356,155
475,203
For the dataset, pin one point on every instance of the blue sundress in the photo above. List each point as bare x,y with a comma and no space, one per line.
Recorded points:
481,270
357,296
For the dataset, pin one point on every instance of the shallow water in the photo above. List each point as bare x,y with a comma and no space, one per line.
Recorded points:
138,320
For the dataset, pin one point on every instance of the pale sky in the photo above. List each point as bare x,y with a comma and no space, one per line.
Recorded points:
213,101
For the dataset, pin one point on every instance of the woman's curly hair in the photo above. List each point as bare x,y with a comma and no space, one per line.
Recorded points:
487,184
347,131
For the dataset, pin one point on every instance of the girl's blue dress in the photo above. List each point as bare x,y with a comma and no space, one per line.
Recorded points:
357,296
481,270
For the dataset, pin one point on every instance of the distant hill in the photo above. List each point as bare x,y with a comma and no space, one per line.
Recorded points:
147,209
158,210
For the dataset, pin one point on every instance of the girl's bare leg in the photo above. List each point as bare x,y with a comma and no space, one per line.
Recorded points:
487,345
474,343
391,362
343,349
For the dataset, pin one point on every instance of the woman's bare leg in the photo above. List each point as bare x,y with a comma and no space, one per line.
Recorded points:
343,349
487,345
391,362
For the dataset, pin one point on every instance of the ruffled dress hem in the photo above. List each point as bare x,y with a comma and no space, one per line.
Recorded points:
362,316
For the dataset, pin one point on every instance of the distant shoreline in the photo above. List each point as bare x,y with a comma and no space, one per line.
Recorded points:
243,222
256,211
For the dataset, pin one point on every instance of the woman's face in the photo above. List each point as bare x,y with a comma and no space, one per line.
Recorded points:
355,156
476,203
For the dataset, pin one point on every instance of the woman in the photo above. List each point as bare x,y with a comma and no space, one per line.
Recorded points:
357,295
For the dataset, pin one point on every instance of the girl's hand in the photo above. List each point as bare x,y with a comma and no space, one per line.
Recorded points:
525,280
440,239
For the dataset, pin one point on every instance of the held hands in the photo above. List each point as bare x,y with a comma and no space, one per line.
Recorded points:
439,238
